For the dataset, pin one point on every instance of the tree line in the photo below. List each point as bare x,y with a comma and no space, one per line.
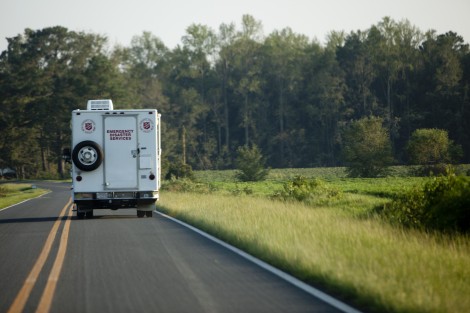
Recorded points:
223,89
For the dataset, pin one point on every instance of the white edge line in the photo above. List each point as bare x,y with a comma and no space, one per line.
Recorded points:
25,201
290,279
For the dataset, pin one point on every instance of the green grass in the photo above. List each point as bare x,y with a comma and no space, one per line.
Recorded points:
337,245
13,193
388,187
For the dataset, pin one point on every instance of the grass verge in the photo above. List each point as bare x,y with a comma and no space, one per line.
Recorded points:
11,193
363,260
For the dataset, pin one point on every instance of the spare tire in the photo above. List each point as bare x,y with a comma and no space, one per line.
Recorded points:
87,155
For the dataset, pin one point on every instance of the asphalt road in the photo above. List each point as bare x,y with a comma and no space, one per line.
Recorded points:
117,262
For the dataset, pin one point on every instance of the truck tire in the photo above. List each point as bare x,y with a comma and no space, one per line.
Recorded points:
87,155
80,214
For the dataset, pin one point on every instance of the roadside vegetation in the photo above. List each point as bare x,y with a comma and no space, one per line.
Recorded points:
339,233
13,193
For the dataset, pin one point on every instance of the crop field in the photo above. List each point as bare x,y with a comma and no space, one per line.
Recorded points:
337,244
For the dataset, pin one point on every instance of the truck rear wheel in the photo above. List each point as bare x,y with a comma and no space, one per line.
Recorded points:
80,214
87,155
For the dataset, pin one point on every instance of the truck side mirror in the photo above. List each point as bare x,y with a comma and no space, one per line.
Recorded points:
67,155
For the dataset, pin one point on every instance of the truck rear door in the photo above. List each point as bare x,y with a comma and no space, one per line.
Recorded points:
121,151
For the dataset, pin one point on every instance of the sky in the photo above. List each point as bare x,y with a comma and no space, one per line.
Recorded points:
168,20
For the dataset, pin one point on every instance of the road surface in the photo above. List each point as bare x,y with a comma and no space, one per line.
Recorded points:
52,262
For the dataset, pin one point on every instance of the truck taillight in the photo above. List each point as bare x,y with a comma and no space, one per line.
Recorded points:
79,178
151,177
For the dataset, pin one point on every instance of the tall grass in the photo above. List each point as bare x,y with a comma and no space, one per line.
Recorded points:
370,263
13,193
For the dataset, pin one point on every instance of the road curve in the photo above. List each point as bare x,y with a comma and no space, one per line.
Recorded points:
117,262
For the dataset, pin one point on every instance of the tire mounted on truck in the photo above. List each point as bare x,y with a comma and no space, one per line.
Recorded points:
87,155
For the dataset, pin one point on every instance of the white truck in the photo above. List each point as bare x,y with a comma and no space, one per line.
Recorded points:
115,158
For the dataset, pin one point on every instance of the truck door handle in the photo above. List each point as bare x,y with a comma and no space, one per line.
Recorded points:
135,153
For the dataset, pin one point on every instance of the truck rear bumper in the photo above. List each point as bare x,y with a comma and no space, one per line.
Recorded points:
115,200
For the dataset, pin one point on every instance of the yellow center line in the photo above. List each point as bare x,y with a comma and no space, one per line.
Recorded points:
48,294
25,291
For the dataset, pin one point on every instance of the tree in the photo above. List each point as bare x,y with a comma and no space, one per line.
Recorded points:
355,58
141,65
323,105
247,71
200,42
251,164
43,76
223,67
442,98
285,54
394,47
366,147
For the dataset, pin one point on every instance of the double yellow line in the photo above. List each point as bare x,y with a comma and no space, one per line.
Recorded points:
46,299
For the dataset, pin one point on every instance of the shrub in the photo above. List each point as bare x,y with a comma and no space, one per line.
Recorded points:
443,203
179,170
366,148
250,164
306,190
432,149
186,185
239,190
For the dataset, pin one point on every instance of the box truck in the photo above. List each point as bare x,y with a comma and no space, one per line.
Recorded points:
115,156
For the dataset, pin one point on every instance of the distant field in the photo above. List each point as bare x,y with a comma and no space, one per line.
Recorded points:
337,244
224,181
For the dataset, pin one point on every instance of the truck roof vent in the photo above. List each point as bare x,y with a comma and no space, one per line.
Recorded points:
105,105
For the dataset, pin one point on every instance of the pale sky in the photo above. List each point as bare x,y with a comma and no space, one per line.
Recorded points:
120,20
